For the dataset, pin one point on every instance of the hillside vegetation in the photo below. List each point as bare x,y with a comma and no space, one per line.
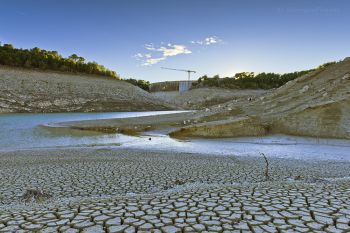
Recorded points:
50,60
250,80
41,59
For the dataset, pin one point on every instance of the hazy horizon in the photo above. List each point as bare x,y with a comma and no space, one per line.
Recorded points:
136,38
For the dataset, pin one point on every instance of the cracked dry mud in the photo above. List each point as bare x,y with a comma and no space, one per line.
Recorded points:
101,190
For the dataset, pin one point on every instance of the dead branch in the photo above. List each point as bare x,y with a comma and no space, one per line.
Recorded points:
266,173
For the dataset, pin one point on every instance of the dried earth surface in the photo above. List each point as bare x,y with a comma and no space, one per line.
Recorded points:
103,190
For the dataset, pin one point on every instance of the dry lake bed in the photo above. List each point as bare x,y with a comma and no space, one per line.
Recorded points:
116,190
69,181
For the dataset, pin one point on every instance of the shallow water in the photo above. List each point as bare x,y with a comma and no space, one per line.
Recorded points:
24,131
279,146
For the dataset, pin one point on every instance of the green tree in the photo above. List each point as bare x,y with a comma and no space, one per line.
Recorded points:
43,59
250,80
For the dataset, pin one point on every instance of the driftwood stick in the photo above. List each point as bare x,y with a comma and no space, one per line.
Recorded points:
266,173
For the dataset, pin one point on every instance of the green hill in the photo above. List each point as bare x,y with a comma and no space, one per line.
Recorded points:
37,58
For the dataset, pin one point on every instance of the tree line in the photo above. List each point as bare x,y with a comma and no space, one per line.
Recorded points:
250,80
50,60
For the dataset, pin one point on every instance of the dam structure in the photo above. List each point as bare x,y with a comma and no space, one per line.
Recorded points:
180,86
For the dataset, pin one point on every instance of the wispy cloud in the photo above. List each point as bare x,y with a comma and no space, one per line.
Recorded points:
170,50
152,61
140,56
208,41
155,54
161,53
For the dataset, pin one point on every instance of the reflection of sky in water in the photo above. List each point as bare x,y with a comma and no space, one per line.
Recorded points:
280,146
19,131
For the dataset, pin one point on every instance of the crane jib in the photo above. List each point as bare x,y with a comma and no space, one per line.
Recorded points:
188,71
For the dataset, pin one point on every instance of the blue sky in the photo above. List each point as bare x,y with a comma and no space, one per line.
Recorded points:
137,37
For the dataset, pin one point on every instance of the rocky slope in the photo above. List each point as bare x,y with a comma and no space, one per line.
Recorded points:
205,97
38,91
316,104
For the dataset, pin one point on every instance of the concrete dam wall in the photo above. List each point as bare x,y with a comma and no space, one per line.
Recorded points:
180,86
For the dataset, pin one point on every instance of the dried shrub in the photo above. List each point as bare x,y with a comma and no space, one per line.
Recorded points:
35,195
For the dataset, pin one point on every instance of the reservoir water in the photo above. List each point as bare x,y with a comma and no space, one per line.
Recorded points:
25,131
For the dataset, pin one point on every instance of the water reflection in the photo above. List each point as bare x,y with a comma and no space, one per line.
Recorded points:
21,131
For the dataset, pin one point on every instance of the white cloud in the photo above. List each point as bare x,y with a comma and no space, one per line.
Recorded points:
169,50
166,51
138,56
208,41
152,61
155,54
142,57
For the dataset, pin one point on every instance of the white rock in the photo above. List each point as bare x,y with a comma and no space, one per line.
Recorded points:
44,104
61,102
346,76
304,89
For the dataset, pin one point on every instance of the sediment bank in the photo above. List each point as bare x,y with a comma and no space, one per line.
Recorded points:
25,90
